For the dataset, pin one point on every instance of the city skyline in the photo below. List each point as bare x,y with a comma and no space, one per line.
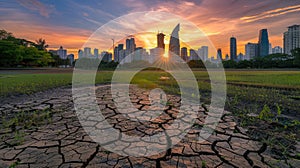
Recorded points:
61,26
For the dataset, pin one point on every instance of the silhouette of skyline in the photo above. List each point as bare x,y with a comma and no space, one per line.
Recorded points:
69,23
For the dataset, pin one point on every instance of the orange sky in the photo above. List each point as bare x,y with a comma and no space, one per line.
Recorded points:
70,24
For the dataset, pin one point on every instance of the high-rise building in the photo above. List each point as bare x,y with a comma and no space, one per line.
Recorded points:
80,54
240,57
71,58
96,52
270,48
251,50
193,55
233,48
116,54
263,43
87,52
219,54
160,40
203,53
174,47
277,50
132,45
62,53
184,54
291,39
227,57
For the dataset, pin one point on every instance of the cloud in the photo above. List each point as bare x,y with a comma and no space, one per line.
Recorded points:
36,5
271,13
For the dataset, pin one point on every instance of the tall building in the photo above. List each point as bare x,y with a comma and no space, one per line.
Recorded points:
160,40
227,57
184,54
263,43
219,54
291,39
277,50
80,54
174,47
87,52
233,48
96,52
251,51
132,45
270,48
116,54
71,58
193,55
62,53
203,53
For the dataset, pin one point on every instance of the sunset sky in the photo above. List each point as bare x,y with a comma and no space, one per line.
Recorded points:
71,22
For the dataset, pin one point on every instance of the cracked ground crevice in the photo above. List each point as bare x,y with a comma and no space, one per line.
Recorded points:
63,142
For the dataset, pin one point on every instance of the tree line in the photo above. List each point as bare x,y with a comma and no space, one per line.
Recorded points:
17,52
270,61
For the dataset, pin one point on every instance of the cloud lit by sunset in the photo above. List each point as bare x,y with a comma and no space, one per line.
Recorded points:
70,24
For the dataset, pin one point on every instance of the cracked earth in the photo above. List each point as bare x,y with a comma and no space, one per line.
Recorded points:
60,141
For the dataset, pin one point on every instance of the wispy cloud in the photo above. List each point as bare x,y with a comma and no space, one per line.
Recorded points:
35,5
272,13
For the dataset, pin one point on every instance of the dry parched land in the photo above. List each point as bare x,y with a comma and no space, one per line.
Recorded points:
41,129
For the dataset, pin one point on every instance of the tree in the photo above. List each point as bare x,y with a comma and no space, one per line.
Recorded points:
41,44
296,55
5,35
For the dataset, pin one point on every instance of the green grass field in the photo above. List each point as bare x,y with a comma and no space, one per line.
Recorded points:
268,94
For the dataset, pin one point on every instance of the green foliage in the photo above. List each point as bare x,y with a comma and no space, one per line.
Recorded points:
270,61
20,52
266,114
296,55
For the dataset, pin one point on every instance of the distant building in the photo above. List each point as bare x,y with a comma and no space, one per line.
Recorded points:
240,57
87,52
251,50
62,53
71,58
219,54
160,40
263,43
193,55
291,39
174,46
184,54
106,56
270,48
96,53
80,54
227,57
233,48
203,53
277,50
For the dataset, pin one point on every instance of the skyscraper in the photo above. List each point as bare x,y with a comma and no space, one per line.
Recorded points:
233,50
87,52
291,39
174,47
160,40
62,53
132,45
80,54
96,52
193,55
184,54
277,50
219,54
251,50
263,43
